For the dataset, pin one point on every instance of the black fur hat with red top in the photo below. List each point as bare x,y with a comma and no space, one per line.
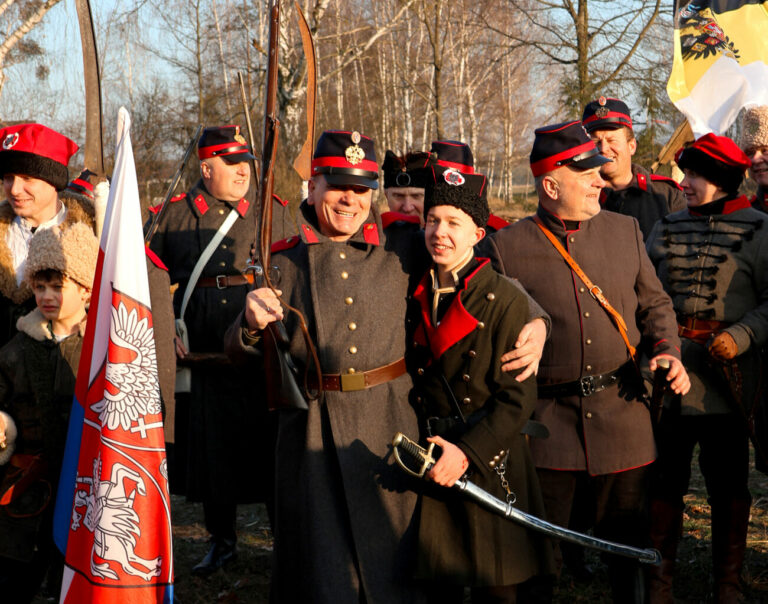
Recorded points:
454,154
717,158
606,114
82,186
409,170
468,192
566,144
346,158
36,150
225,142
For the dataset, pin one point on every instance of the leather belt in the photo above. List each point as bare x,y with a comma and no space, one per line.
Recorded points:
698,330
360,380
586,386
225,281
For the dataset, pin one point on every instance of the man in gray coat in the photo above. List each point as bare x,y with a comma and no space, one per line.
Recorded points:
590,394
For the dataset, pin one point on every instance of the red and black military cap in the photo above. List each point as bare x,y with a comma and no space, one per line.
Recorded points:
606,113
468,192
717,158
81,185
454,154
36,150
225,142
346,158
409,170
566,144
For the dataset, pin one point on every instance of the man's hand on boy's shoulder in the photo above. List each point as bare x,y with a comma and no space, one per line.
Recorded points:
528,350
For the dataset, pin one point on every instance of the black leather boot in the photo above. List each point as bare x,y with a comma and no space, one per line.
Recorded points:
730,520
221,552
666,530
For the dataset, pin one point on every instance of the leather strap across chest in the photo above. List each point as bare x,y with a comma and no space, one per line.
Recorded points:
596,292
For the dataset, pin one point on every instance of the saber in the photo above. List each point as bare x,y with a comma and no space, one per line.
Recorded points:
425,460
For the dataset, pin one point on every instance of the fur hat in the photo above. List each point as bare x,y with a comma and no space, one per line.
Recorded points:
716,158
468,192
754,128
38,151
72,251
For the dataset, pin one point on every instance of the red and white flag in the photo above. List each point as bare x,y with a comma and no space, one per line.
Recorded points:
113,512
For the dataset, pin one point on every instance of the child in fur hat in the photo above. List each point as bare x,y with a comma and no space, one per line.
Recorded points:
38,368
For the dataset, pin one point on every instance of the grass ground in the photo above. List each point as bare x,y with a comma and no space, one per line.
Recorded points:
246,581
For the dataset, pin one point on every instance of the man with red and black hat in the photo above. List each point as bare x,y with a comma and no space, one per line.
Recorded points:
344,514
713,261
405,177
630,188
204,238
33,165
590,395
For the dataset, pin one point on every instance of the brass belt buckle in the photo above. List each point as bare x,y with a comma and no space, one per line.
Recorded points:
352,381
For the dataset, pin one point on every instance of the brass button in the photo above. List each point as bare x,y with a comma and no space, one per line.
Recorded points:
480,325
490,296
501,452
466,400
348,300
221,211
223,300
222,264
492,464
471,354
420,371
582,290
588,415
589,341
419,399
572,239
344,275
352,326
223,246
588,368
343,255
496,458
351,370
353,350
466,377
586,314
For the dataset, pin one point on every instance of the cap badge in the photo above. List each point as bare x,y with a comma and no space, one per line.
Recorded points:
602,101
453,177
10,141
239,137
353,153
602,112
403,179
355,137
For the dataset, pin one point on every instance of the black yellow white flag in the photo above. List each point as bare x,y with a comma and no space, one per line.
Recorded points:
720,62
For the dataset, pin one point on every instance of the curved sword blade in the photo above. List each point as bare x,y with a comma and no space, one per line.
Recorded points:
303,162
94,150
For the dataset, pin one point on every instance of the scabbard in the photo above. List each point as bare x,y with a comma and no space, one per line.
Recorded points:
502,508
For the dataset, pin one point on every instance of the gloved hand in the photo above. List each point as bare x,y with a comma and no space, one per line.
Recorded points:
722,346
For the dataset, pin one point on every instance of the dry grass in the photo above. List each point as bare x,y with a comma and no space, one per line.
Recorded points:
247,579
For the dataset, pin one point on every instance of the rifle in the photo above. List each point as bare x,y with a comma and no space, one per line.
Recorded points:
657,393
172,187
282,388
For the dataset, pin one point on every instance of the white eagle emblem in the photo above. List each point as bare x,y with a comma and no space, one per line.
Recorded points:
131,388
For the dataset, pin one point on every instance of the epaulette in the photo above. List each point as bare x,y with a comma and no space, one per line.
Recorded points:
389,218
497,222
155,259
156,209
285,244
666,179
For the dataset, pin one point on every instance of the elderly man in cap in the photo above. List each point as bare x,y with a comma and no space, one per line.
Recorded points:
204,237
630,188
33,164
590,394
754,142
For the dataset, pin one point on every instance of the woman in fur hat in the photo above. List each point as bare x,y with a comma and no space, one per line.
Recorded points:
37,381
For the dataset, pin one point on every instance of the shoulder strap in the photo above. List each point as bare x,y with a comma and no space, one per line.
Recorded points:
204,257
596,292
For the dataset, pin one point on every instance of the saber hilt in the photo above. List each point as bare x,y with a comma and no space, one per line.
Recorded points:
421,456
